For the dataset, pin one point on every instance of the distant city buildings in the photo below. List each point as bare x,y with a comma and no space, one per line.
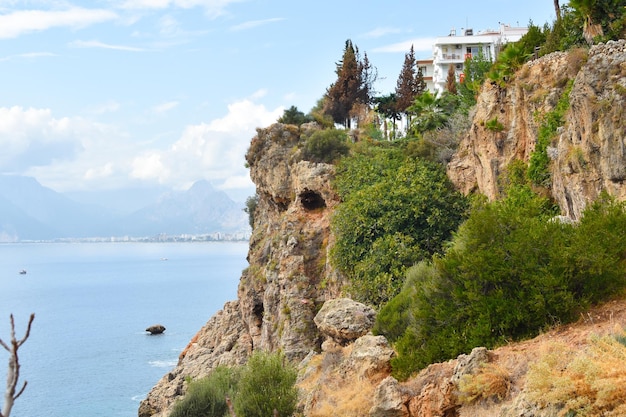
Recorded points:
454,49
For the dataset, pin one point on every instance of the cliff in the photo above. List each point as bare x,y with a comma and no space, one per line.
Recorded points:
288,278
588,153
282,294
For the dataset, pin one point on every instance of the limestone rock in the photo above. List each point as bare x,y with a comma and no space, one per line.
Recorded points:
469,364
388,400
588,153
344,320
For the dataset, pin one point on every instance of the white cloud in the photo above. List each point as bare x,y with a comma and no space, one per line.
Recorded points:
22,22
165,107
255,23
213,8
73,153
32,136
213,151
98,44
419,44
380,32
110,106
28,55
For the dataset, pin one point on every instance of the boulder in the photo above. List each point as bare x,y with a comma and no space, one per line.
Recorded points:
388,400
344,320
156,329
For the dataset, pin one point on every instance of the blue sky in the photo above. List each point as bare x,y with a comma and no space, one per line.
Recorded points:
116,94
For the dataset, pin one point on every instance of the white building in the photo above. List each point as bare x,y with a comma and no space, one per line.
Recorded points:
453,50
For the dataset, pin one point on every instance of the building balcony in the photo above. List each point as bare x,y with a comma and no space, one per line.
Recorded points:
452,57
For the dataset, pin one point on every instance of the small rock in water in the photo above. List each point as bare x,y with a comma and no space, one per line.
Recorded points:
156,329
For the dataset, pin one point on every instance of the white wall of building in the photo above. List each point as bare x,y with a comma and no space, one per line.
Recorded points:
453,50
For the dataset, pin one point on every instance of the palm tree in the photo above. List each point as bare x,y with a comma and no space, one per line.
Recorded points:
429,114
586,9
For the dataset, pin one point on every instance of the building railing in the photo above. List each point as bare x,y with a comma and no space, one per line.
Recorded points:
452,56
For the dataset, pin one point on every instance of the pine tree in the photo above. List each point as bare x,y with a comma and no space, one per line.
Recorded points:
353,86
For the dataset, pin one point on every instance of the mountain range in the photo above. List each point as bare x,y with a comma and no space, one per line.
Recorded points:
30,211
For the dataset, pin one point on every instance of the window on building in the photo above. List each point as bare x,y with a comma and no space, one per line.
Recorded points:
422,69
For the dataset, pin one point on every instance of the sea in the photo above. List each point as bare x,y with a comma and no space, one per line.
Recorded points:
88,353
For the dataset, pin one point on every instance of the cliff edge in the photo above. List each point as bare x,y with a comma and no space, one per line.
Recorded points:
288,278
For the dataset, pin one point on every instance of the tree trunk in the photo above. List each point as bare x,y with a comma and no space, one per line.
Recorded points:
557,10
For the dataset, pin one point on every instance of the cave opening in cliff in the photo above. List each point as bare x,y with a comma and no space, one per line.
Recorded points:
312,200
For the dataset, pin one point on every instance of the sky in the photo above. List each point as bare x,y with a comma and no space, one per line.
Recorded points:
115,94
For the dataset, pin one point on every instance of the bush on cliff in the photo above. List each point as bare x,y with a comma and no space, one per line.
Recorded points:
206,397
510,272
325,145
267,383
396,210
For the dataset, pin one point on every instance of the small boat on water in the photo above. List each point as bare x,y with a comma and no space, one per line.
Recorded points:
22,272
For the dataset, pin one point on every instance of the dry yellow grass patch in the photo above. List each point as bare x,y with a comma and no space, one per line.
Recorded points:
333,390
590,382
492,381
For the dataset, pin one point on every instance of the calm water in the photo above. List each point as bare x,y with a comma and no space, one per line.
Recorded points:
88,354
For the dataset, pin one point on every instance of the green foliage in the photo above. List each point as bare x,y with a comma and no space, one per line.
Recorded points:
534,38
509,272
326,145
294,116
387,106
267,383
395,212
251,205
494,125
427,113
475,71
206,397
539,163
510,60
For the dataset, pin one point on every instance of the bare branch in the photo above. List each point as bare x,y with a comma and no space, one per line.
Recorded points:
13,373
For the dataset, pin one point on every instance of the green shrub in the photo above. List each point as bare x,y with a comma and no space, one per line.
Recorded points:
326,145
267,383
510,272
251,204
539,163
294,116
206,397
395,212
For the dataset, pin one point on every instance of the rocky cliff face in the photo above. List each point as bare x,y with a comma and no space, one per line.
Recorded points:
588,153
288,278
344,369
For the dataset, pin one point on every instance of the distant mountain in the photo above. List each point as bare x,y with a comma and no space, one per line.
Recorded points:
30,211
199,210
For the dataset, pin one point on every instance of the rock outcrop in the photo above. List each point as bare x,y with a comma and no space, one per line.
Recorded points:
588,153
344,320
288,278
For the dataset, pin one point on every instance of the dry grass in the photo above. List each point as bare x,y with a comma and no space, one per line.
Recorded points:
349,399
491,382
334,392
589,382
